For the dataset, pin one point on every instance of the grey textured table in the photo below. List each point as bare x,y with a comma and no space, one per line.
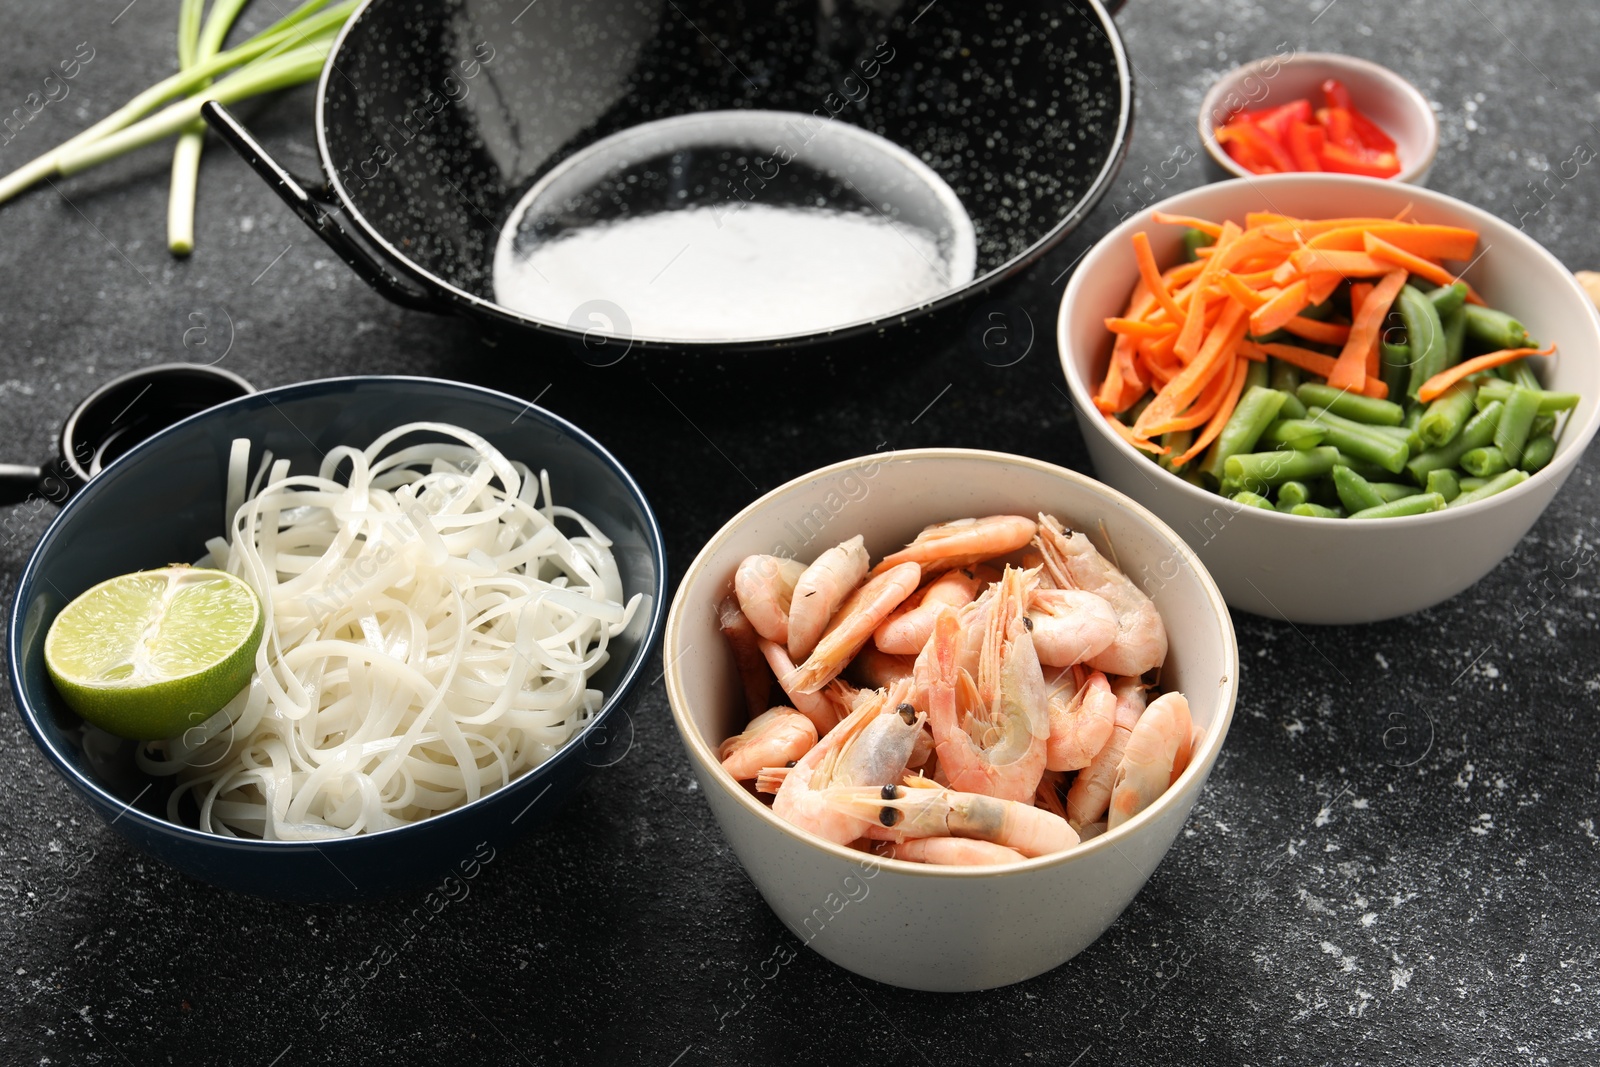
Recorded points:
1395,859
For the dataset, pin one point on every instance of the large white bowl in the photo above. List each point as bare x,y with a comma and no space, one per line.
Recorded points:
943,928
1337,570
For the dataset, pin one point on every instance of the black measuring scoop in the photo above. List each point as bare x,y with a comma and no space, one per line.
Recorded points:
114,418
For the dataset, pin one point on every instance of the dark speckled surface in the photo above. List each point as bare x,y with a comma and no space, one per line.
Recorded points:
1395,860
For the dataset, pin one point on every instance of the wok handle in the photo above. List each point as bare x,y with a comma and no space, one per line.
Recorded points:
18,482
1112,6
361,259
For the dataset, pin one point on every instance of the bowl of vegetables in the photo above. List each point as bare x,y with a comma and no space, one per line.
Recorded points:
451,592
1318,111
889,838
1388,387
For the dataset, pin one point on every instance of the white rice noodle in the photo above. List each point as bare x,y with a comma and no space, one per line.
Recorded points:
431,629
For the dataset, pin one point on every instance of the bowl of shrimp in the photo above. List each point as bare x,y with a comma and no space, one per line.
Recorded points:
949,707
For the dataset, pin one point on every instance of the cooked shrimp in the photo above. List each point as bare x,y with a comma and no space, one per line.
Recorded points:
905,632
1185,752
954,851
869,748
1048,795
877,669
773,738
1090,795
852,627
745,642
1071,562
1090,831
998,747
962,543
1146,767
1080,725
1070,625
900,813
764,586
831,578
826,706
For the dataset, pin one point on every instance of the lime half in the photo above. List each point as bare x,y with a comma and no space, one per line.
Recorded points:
149,655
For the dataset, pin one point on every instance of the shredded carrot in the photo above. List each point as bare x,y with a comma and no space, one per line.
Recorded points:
1315,362
1435,242
1351,368
1325,333
1349,264
1209,228
1380,249
1322,284
1220,418
1436,385
1137,442
1204,406
1152,275
1218,352
1359,291
1247,296
1275,313
1140,328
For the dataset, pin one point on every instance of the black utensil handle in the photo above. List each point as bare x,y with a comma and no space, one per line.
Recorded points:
313,212
1112,6
18,482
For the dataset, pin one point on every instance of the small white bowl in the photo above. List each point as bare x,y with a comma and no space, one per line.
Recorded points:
1338,570
1378,92
907,924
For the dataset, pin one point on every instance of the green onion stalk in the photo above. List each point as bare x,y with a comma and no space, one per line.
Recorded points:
290,52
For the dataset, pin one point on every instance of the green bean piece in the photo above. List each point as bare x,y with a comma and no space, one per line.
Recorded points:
1485,462
1254,412
1255,376
1317,511
1284,377
1455,336
1425,335
1177,442
1470,483
1193,241
1294,433
1543,426
1253,470
1361,442
1516,424
1351,405
1355,492
1498,484
1519,372
1253,500
1291,493
1549,403
1395,355
1495,329
1394,490
1449,298
1292,408
1446,415
1131,416
1420,504
1445,483
1537,453
1478,431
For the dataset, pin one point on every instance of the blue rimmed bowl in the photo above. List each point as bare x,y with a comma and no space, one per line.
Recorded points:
162,500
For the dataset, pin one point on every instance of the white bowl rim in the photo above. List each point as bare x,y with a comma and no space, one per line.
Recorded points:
1565,459
1201,759
1333,61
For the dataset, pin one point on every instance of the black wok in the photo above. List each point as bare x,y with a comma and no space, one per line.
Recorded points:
433,119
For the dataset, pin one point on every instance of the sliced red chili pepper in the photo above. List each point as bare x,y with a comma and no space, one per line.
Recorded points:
1336,95
1341,131
1261,145
1243,152
1275,121
1306,142
1359,161
1370,133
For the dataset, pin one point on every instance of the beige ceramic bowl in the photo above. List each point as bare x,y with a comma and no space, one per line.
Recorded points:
1378,92
1337,570
906,924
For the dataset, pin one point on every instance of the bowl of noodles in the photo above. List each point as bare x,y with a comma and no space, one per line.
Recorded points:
460,591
